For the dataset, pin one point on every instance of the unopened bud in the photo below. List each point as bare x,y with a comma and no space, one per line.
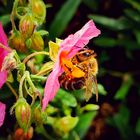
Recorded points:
26,26
37,42
23,114
39,116
21,135
16,41
38,10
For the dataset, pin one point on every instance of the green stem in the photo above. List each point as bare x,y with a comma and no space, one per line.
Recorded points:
13,14
34,54
36,77
21,85
17,57
30,82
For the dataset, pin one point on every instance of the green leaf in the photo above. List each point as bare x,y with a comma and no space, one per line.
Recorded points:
43,32
72,136
79,94
128,44
28,43
66,98
138,127
113,24
51,110
10,77
64,125
105,42
93,5
124,89
84,123
134,4
134,15
137,34
121,122
39,59
42,131
101,90
46,68
63,17
90,107
5,19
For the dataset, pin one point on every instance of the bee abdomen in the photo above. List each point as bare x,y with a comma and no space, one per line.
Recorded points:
71,83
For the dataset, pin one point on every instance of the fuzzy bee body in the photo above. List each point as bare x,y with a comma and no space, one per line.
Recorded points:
71,83
84,60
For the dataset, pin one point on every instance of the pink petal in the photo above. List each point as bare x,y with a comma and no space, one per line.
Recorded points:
80,38
52,85
2,113
3,40
3,37
3,53
3,77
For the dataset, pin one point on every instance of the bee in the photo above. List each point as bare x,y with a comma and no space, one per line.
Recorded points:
85,61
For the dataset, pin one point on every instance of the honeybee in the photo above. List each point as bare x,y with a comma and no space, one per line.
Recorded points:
84,60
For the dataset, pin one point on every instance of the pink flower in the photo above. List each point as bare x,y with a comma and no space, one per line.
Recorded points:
3,53
2,113
3,74
68,48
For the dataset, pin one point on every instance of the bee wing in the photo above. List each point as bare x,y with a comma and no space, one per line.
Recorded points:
91,85
95,87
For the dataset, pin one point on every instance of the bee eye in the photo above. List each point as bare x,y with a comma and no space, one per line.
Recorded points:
86,54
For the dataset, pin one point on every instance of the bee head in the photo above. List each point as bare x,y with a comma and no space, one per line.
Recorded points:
85,54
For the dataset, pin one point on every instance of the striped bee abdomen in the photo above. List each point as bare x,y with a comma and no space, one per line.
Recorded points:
71,83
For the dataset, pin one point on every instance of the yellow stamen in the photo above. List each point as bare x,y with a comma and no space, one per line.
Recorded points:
71,69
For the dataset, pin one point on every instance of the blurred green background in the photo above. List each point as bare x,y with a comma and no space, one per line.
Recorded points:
118,51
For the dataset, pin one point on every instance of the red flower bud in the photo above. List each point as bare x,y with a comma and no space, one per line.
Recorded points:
16,41
21,135
26,26
37,42
38,10
23,114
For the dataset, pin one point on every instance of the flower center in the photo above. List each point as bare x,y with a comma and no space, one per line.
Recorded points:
69,68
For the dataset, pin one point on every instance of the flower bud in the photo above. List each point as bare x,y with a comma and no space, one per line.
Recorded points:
38,10
16,41
37,42
23,114
26,26
39,116
21,135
